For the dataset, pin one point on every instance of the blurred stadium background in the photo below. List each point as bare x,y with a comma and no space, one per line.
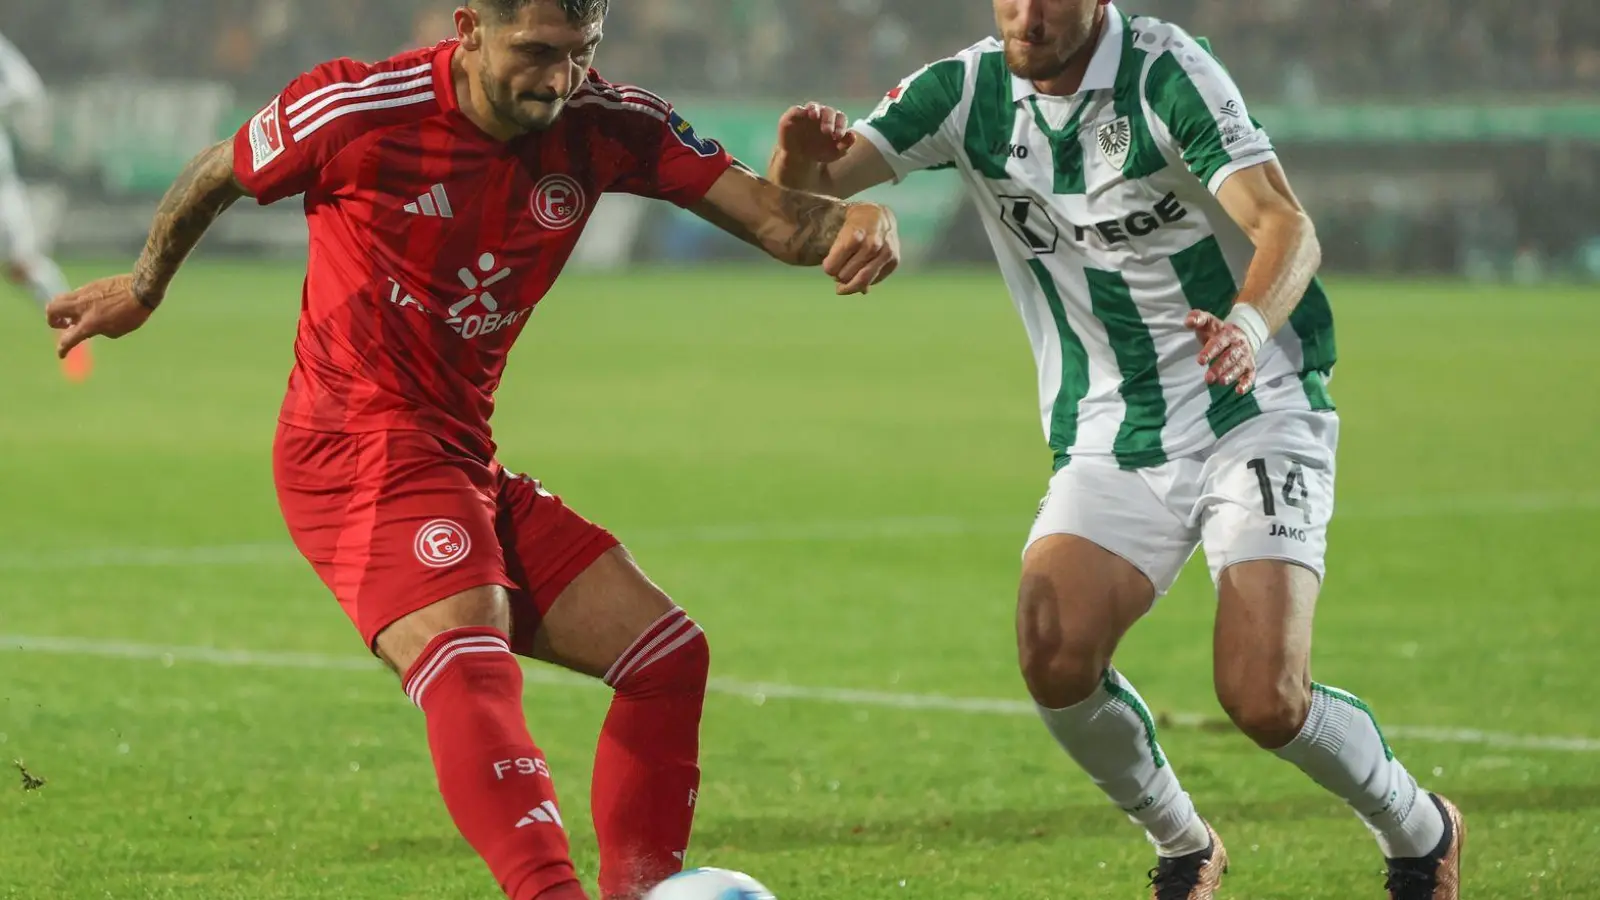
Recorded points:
836,488
1453,137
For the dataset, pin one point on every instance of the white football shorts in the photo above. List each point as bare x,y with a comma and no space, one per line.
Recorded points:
1263,491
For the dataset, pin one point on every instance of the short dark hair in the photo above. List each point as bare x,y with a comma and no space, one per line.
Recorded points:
576,10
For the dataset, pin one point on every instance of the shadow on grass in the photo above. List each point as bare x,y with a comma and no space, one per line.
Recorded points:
970,828
778,833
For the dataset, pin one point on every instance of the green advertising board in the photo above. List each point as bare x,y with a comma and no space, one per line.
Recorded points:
138,135
133,137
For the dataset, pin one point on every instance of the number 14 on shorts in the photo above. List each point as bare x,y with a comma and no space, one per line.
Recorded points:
1292,493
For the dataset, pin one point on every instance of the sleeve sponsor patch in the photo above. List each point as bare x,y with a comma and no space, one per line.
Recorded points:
1233,133
684,132
888,101
266,136
1233,123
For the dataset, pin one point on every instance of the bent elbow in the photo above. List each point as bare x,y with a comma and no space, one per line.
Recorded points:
1310,242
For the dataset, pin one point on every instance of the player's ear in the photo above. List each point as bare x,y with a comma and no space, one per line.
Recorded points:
469,28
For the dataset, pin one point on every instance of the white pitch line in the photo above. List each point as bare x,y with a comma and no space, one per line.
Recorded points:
154,557
892,528
757,691
262,554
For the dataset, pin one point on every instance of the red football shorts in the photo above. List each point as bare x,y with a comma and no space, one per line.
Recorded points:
394,521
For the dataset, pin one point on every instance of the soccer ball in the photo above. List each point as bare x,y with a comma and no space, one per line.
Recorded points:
710,884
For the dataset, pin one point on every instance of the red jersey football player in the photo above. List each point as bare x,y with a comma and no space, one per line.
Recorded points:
445,189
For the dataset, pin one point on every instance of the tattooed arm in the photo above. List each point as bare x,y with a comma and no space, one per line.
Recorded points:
115,306
204,190
858,244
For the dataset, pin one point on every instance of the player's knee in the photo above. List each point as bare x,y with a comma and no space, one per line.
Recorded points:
692,665
676,662
1056,678
403,642
1270,712
1060,664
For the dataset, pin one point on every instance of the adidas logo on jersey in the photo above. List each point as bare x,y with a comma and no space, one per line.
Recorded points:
543,814
435,204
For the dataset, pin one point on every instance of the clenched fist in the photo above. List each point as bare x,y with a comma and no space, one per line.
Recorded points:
867,250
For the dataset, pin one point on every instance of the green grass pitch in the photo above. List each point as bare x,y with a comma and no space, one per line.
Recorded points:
838,489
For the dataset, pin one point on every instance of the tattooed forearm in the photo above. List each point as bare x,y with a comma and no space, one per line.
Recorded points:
202,192
792,226
815,222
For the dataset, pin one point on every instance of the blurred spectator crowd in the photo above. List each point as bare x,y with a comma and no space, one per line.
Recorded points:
1280,50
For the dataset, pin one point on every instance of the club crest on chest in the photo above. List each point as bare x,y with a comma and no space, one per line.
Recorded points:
1115,138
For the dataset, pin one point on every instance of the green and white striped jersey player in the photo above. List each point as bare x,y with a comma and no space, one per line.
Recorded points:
22,260
1165,274
1102,213
1103,210
19,246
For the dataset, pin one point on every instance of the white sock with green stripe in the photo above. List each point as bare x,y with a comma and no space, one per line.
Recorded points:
1113,738
1341,748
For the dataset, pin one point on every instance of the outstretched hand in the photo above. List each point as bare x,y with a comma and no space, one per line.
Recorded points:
104,308
815,132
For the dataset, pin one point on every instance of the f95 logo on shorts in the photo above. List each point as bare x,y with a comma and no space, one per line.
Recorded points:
442,543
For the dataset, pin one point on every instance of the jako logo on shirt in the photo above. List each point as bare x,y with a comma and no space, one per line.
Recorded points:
558,202
442,543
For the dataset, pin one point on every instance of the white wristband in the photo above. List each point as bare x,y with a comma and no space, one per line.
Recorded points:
1252,323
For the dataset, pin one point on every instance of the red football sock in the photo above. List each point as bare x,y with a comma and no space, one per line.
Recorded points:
647,768
493,778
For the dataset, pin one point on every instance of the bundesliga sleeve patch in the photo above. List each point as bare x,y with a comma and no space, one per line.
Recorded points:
686,136
266,137
888,102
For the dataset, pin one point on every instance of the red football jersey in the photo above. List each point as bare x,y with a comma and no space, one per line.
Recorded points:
431,242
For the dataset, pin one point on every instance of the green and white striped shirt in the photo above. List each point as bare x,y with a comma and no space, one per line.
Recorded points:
1102,210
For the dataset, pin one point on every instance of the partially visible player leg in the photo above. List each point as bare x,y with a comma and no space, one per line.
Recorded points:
613,623
40,275
1078,597
1270,489
593,611
459,669
1263,676
402,530
25,265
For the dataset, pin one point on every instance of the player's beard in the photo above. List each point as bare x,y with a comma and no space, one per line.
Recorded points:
526,112
1045,53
